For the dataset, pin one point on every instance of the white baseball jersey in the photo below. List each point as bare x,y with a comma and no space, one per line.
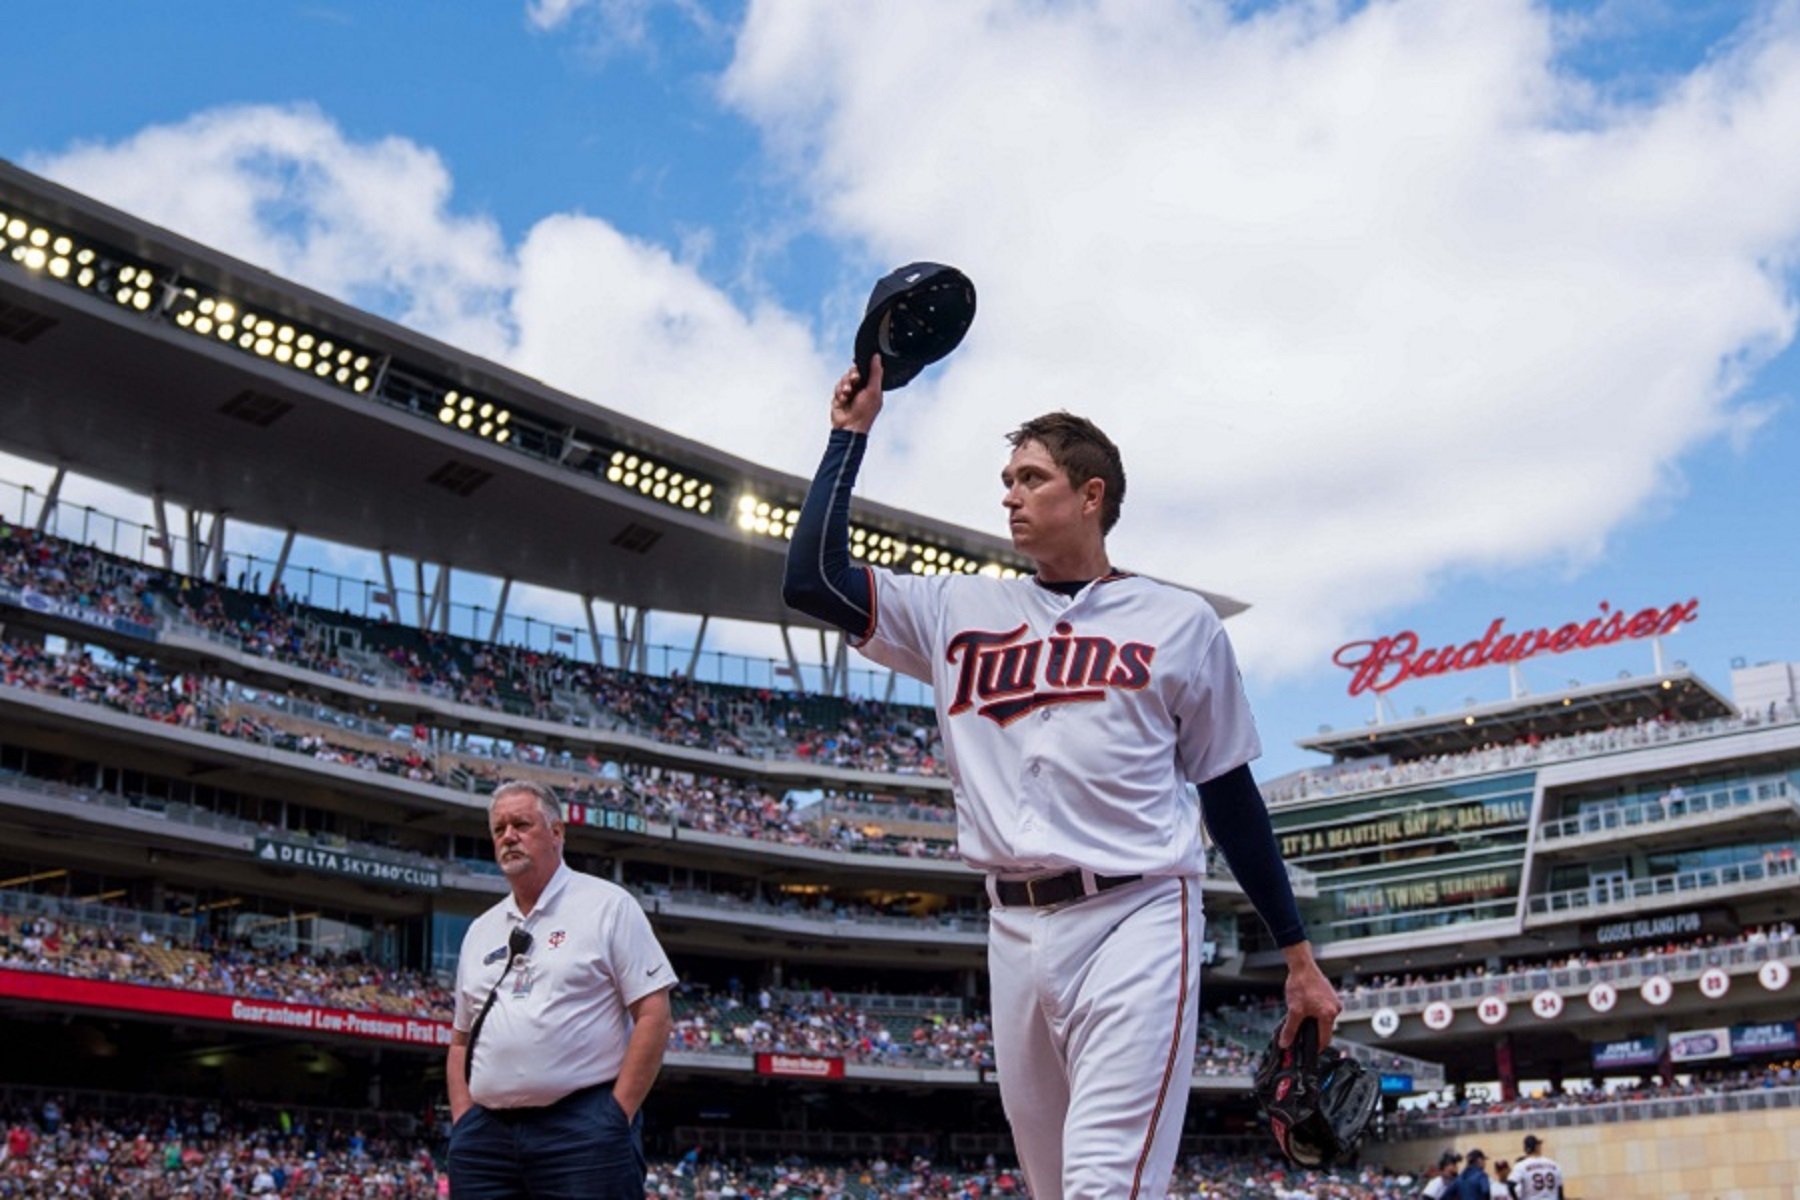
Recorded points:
1072,724
1538,1178
560,1020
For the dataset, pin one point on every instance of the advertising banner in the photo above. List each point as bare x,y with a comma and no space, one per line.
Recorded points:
52,606
1776,1038
598,816
324,861
1639,929
1696,1045
800,1066
1630,1052
1382,664
230,1010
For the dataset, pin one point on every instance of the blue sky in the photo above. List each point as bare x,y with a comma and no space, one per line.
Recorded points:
1406,315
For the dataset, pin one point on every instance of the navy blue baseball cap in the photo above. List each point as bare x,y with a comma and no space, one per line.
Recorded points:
916,316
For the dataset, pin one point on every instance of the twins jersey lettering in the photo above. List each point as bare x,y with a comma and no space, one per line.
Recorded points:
1073,725
1538,1179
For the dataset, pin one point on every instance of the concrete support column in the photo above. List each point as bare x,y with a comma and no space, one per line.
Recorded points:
50,499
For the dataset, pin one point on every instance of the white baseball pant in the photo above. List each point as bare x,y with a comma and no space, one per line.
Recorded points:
1096,1005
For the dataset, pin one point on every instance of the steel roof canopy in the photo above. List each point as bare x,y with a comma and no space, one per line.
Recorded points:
129,398
1680,694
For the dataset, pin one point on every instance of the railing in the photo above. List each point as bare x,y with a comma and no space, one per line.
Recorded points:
324,591
176,812
517,747
1677,968
925,1006
1305,883
1657,811
1625,894
742,1143
1255,1026
125,920
1520,757
931,814
78,1103
925,927
1606,1113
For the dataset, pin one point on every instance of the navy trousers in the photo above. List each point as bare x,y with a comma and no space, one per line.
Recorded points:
580,1148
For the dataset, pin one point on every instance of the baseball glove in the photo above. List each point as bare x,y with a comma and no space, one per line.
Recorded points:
1317,1105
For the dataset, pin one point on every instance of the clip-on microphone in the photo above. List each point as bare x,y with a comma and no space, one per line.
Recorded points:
517,943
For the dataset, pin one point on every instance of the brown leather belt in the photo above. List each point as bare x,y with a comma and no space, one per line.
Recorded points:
1046,890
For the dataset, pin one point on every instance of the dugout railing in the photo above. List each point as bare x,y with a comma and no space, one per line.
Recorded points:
1754,1099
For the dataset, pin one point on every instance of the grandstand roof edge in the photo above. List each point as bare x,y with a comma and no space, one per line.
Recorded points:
54,201
1479,720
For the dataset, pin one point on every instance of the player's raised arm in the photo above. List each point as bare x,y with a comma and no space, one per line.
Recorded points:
855,403
820,580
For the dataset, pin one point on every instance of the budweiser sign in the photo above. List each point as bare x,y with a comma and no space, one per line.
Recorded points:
1385,663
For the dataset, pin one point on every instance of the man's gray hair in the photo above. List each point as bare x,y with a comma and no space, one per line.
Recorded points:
547,801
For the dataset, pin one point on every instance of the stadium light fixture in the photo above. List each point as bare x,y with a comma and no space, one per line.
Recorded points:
654,479
472,414
768,518
218,318
761,516
43,249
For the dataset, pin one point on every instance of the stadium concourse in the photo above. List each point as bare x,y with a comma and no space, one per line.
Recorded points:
242,800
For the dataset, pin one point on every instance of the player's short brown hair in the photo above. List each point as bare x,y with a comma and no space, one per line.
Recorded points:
1083,452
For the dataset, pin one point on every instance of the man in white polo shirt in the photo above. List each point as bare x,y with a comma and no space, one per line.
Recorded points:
562,1015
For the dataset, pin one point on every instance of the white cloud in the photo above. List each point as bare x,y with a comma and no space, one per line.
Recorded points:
610,26
1366,293
285,189
626,325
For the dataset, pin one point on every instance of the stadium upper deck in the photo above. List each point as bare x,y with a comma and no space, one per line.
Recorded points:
156,363
1517,875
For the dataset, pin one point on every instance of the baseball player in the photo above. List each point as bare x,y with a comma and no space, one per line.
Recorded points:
1075,705
1537,1177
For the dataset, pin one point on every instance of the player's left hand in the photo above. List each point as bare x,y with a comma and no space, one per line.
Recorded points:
1309,994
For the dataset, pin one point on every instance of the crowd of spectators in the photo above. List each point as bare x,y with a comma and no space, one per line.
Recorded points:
143,691
823,906
725,719
833,1026
1358,987
1531,751
726,1024
273,627
1214,1176
731,808
224,966
160,1151
1774,1074
74,575
168,1149
864,734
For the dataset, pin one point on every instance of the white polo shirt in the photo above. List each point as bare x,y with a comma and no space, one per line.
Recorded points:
1072,724
561,1019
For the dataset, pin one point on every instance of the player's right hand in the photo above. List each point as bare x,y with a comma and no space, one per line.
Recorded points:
855,403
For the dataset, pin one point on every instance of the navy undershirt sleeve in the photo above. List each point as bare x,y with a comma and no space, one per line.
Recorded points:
1239,822
820,581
